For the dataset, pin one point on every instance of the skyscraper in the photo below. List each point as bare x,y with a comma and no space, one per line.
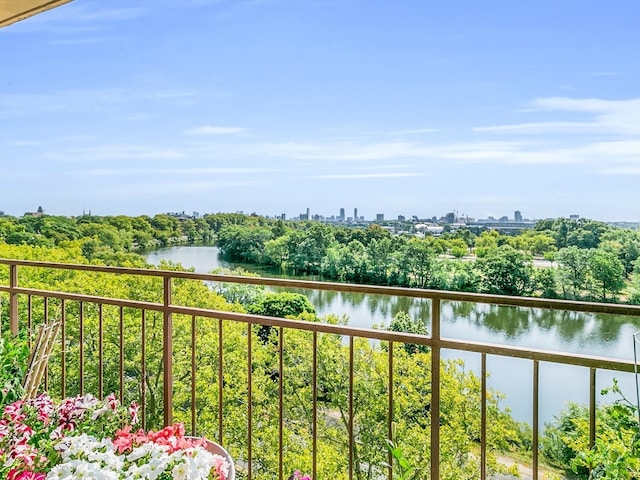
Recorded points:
341,218
517,216
355,214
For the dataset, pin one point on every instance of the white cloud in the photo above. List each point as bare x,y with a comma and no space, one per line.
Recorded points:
602,116
369,175
110,172
88,100
214,130
114,152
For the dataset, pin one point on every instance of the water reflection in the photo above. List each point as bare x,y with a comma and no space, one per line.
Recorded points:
578,332
575,332
541,328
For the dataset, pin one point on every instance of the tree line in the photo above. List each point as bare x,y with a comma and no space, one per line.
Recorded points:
590,260
587,260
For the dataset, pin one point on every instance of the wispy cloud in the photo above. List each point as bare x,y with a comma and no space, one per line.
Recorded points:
110,172
214,130
603,116
187,187
114,152
349,176
78,17
415,131
88,100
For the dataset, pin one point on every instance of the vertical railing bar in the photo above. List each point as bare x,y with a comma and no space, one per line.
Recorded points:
536,396
193,375
220,381
81,340
121,359
592,407
483,417
13,299
314,401
435,389
390,413
46,320
167,353
280,402
100,352
63,342
29,320
351,442
143,368
250,399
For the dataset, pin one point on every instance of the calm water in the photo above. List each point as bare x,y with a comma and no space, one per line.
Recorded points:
605,335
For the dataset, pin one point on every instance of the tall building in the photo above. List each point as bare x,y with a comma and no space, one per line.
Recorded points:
355,214
341,215
379,217
517,216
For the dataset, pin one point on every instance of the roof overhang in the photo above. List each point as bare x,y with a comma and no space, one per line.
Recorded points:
12,11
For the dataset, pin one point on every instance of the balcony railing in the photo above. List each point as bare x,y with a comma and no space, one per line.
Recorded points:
29,305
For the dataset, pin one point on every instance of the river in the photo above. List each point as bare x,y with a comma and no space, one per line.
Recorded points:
575,332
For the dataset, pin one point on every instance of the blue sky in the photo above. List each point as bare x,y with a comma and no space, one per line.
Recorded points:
396,107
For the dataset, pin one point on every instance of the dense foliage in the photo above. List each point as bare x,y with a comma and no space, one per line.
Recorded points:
616,453
460,416
591,260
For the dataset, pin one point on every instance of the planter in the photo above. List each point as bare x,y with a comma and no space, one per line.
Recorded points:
215,448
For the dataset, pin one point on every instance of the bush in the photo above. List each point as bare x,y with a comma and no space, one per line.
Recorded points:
616,453
14,355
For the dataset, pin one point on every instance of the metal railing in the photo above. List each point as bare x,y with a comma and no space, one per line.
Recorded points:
22,313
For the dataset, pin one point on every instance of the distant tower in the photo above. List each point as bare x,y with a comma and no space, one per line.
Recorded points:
517,216
342,214
379,217
355,214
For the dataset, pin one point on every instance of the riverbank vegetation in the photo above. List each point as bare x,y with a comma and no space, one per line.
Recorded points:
583,259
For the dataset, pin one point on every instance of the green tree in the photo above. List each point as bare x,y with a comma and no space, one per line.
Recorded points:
506,271
417,259
573,269
402,322
607,272
486,243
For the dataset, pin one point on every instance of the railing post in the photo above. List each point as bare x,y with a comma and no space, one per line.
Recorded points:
435,389
167,353
13,299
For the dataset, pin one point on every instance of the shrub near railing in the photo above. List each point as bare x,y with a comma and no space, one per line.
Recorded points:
14,353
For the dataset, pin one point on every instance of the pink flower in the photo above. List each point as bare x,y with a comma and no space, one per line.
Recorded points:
13,410
297,475
123,441
112,401
219,467
15,474
133,411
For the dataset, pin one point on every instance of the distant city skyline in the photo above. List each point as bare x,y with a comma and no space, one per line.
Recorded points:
340,216
400,108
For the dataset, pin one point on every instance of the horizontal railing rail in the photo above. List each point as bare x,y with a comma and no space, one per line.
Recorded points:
434,341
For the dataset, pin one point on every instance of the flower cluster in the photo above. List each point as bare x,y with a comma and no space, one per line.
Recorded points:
30,428
83,437
298,475
87,457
